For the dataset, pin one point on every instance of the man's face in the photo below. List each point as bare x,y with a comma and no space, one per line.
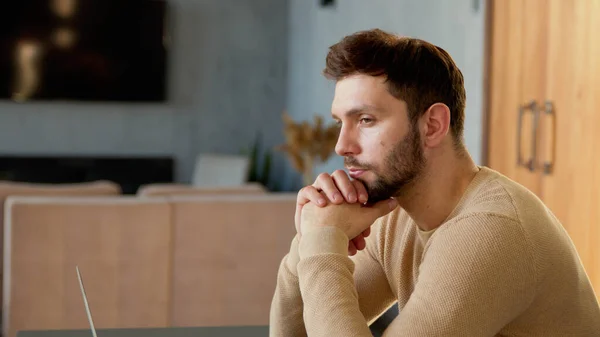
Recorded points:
379,145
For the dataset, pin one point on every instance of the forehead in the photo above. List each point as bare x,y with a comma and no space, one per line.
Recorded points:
363,92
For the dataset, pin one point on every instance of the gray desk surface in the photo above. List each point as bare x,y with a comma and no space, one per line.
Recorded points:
250,331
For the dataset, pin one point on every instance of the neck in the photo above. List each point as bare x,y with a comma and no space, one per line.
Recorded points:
435,194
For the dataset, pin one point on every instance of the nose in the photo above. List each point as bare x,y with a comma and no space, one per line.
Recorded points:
347,144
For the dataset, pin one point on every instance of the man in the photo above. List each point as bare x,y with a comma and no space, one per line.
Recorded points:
461,249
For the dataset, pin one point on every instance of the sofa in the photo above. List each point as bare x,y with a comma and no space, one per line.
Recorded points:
147,261
174,189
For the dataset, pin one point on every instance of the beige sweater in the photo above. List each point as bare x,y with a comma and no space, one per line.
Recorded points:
500,265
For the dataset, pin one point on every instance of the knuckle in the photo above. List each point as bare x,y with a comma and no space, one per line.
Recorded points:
304,191
323,176
359,185
309,188
338,173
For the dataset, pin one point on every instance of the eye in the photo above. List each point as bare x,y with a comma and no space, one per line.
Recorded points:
366,120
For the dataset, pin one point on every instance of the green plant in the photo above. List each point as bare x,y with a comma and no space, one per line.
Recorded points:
260,162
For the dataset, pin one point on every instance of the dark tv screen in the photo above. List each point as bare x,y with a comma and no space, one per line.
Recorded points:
83,50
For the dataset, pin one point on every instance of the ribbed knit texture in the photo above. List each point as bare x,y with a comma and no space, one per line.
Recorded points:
500,265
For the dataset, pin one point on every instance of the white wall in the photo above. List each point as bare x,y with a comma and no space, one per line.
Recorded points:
227,81
457,26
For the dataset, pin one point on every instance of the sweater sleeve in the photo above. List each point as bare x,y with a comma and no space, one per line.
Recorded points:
373,292
285,318
331,301
477,275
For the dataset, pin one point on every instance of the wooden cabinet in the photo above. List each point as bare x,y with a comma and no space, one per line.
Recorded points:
516,75
543,118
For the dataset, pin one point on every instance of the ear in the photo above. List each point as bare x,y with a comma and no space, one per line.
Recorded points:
436,122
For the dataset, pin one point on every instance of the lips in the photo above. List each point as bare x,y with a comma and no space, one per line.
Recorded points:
355,173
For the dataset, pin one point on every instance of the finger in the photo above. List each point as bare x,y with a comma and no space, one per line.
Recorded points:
307,194
325,183
310,194
359,242
345,186
361,191
351,248
297,218
366,232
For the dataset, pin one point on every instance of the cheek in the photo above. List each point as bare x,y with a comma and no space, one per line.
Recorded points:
378,142
370,143
375,152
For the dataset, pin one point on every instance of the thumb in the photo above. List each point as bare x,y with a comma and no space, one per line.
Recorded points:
383,207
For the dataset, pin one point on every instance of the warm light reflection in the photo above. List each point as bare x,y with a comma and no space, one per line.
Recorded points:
64,8
64,37
27,62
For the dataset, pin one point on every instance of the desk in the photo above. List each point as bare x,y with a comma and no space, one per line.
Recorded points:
226,331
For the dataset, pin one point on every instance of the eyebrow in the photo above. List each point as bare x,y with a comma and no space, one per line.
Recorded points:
357,110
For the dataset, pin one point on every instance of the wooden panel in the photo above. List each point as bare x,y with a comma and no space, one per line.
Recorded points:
516,78
533,89
122,249
227,253
572,190
593,84
14,188
218,331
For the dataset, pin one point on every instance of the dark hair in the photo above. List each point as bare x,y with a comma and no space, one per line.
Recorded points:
417,71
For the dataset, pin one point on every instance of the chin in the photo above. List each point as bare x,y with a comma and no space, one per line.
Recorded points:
379,190
377,193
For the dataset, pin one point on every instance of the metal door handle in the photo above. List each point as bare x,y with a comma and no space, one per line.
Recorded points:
529,163
548,164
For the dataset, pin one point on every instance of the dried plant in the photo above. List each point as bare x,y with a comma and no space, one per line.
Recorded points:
307,144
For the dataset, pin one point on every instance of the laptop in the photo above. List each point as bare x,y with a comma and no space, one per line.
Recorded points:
85,302
223,331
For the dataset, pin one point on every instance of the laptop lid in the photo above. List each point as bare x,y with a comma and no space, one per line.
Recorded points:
85,302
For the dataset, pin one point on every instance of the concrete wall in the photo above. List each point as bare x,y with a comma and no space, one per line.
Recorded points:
227,81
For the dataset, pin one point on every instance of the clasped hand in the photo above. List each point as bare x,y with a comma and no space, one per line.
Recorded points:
335,200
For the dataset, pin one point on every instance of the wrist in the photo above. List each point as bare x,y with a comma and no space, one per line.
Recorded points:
308,226
293,256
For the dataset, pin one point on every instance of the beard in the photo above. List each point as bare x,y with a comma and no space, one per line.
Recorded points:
402,166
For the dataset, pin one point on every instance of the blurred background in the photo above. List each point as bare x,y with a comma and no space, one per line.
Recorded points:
154,84
159,144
